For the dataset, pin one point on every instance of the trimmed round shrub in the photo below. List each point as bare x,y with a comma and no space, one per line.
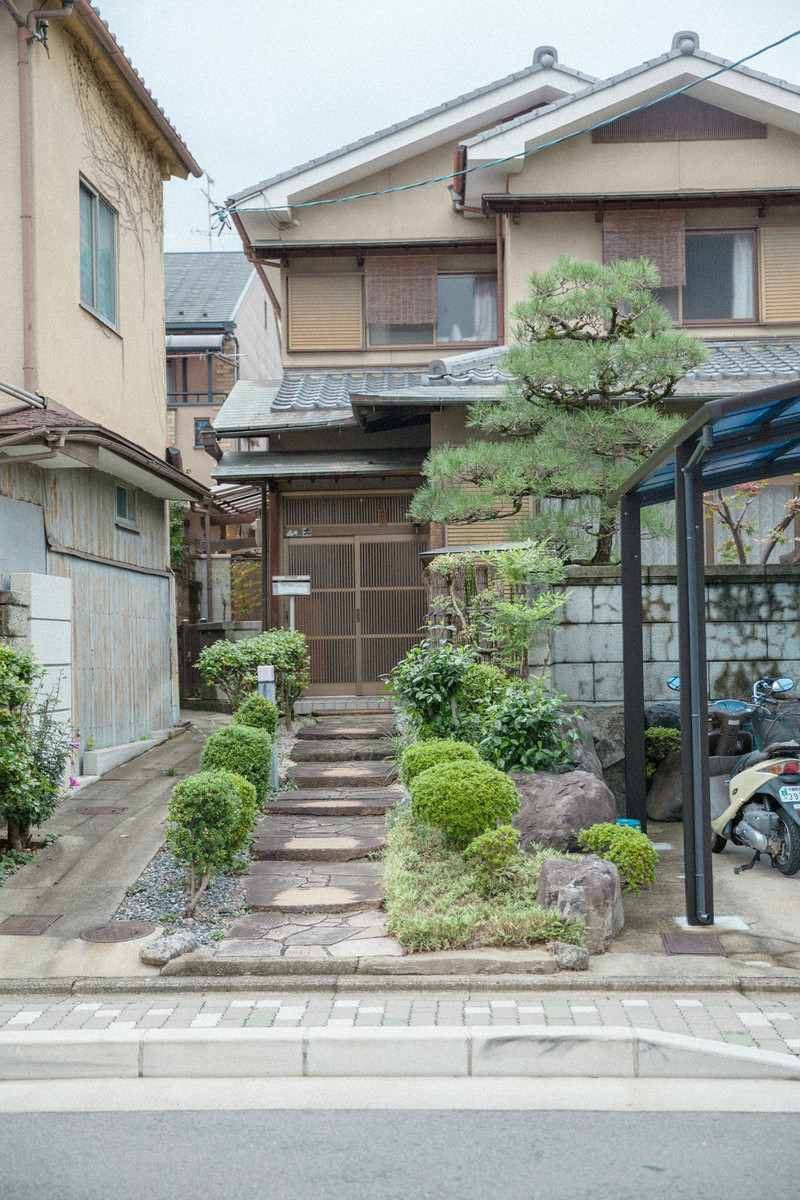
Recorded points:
463,799
202,820
659,741
424,754
630,850
248,809
257,712
494,857
244,751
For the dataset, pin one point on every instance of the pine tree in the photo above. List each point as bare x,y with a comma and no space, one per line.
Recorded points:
594,359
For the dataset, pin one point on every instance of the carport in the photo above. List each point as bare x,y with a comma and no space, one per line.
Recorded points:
735,440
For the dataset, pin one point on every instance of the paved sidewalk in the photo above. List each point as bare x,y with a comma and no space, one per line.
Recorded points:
764,1022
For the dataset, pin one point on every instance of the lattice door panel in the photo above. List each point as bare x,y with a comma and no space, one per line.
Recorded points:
328,615
393,603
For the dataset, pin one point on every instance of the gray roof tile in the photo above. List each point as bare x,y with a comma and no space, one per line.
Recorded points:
204,287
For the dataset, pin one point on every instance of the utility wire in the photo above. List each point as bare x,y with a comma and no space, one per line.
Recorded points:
223,211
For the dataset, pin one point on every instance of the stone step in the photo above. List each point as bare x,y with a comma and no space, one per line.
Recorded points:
342,751
388,795
342,774
263,895
337,728
330,806
358,872
290,847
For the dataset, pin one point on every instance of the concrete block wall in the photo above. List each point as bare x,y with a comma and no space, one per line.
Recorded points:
37,614
753,629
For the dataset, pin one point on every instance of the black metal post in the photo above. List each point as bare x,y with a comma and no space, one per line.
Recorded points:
694,689
633,658
265,555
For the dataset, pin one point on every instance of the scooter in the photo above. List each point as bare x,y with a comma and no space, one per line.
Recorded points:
757,803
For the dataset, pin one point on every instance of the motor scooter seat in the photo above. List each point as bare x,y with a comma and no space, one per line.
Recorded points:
752,760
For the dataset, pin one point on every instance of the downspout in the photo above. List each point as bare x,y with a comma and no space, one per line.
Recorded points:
24,37
501,282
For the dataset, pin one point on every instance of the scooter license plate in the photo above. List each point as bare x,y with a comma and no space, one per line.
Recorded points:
791,795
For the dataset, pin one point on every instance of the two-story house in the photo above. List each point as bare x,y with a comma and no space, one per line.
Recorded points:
403,253
84,484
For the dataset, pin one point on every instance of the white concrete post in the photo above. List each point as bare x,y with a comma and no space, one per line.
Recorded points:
266,688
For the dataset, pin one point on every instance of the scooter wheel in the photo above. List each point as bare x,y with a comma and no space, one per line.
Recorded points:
787,860
718,843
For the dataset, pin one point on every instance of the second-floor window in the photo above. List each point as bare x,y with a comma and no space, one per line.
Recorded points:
720,278
98,230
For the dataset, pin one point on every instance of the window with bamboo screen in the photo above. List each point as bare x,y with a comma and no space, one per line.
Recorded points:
660,236
401,299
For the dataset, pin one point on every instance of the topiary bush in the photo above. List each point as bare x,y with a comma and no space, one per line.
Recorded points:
628,849
494,857
257,712
659,741
233,666
422,755
203,823
248,810
244,751
462,799
525,731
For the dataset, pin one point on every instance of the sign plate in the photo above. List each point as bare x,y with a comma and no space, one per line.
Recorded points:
291,585
790,794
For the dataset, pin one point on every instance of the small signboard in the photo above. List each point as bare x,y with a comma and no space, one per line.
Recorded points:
291,585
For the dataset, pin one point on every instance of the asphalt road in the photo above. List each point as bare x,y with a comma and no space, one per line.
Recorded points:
398,1155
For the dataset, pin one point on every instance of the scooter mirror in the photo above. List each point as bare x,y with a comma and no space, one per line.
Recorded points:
784,684
674,683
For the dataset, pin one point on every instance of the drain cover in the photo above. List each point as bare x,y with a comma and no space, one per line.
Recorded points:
27,926
118,931
98,810
693,943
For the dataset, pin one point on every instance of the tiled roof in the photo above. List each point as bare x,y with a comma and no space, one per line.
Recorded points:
301,390
535,67
204,287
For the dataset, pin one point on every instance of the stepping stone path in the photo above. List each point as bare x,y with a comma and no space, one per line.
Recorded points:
315,882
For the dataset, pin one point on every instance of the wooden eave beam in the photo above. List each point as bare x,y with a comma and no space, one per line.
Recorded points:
515,205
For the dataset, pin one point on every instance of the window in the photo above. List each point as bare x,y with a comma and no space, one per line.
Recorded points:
409,303
200,423
127,511
98,230
720,278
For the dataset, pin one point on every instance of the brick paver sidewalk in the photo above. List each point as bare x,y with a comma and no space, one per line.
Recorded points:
768,1022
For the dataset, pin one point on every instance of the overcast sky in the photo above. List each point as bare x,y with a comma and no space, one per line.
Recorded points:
257,86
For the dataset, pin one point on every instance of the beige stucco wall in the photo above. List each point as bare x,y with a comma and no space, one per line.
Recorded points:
81,128
257,331
11,253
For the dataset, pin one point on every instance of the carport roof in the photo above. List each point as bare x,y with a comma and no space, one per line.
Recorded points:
744,438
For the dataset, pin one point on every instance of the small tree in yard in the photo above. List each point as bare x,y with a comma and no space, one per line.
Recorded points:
594,360
208,821
732,508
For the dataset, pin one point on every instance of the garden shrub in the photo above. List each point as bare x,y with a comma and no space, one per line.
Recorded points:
494,857
233,666
203,822
244,751
524,731
463,799
659,741
248,810
424,754
257,712
627,848
426,683
482,685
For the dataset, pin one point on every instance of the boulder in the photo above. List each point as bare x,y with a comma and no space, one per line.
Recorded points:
571,958
164,949
663,713
554,808
584,756
589,889
665,797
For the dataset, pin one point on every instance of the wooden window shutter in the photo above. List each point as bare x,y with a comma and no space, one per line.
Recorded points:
325,312
658,236
401,290
780,273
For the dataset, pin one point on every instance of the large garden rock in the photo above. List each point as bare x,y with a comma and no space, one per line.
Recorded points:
584,756
589,889
665,714
554,808
161,951
665,797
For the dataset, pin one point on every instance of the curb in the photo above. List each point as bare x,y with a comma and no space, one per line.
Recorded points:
563,982
386,1052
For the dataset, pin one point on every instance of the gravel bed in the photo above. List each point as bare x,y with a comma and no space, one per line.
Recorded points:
161,893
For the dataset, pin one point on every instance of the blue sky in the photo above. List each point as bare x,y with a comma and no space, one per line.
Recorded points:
256,86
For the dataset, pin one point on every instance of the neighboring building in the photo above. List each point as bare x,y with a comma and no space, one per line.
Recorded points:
396,305
84,485
221,326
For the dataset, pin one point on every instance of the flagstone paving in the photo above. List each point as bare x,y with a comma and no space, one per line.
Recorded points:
315,882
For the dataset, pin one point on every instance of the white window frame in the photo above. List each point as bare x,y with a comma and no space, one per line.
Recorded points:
92,305
131,518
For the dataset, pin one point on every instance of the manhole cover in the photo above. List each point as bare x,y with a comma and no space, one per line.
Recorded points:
98,810
27,926
118,931
693,943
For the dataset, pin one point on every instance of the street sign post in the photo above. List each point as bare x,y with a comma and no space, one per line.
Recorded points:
291,586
